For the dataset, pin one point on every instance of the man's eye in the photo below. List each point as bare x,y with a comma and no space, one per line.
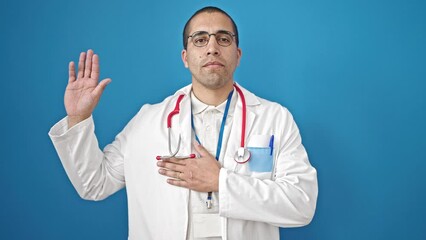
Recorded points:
200,40
224,40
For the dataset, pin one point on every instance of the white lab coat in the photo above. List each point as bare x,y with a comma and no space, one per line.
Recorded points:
252,205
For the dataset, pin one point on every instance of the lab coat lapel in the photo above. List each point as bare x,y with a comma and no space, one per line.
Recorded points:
182,121
183,127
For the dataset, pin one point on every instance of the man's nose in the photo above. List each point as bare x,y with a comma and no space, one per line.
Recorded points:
213,47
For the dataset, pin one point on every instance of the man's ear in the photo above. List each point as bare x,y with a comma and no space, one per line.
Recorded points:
239,54
184,60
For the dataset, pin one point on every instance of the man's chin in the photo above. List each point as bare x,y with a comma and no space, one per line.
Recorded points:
213,83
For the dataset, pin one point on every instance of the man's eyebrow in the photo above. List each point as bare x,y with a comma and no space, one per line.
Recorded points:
224,31
218,31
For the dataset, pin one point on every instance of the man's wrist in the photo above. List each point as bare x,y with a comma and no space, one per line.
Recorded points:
74,120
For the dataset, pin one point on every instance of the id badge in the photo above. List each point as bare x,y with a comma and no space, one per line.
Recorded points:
207,225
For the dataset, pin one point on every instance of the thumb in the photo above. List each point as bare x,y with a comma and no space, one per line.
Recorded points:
201,150
101,87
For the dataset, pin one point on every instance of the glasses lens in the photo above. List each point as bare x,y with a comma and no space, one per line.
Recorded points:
223,38
200,39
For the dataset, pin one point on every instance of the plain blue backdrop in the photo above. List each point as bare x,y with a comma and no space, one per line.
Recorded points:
352,73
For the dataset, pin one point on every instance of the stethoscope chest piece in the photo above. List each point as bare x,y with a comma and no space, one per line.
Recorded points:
242,155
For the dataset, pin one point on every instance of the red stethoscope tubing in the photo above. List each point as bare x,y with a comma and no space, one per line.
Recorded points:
175,111
243,124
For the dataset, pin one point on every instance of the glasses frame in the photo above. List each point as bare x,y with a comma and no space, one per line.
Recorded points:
210,34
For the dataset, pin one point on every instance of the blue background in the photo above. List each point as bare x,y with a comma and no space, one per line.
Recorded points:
351,72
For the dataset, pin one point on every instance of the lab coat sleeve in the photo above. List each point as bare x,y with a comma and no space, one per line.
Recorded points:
94,173
287,201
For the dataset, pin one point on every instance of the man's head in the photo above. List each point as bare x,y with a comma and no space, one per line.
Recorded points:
213,57
209,9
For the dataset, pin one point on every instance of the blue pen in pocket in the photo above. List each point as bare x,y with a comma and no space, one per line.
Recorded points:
271,144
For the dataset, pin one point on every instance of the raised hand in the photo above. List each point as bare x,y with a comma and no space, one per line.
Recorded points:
83,93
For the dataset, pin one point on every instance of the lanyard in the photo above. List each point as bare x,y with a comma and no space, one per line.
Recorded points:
222,126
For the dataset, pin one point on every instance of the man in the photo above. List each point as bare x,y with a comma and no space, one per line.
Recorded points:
251,174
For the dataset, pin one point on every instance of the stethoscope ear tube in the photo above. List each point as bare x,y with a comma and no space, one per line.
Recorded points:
169,127
192,155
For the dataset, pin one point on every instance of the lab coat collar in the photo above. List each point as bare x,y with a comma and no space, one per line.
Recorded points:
197,105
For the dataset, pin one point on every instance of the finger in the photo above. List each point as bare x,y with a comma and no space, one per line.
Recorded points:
95,67
171,166
101,87
176,161
178,183
201,150
71,70
172,174
81,65
88,66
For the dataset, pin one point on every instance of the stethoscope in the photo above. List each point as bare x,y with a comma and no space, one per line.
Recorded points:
241,156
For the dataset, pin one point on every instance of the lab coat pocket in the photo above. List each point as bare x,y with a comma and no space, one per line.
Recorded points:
261,159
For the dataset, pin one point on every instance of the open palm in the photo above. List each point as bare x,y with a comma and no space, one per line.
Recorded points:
83,93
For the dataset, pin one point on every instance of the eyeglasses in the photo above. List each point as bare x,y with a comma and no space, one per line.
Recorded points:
201,38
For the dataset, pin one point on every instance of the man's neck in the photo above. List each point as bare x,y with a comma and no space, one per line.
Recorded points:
212,97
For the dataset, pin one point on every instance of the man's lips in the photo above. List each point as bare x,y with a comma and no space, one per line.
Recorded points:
213,64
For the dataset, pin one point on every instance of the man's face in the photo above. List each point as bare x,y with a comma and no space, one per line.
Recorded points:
212,66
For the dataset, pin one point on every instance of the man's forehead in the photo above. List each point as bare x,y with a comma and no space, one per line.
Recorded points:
207,20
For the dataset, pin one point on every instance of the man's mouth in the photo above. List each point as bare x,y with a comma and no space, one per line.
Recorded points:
213,64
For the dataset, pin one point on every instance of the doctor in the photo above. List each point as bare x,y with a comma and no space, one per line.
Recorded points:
212,161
